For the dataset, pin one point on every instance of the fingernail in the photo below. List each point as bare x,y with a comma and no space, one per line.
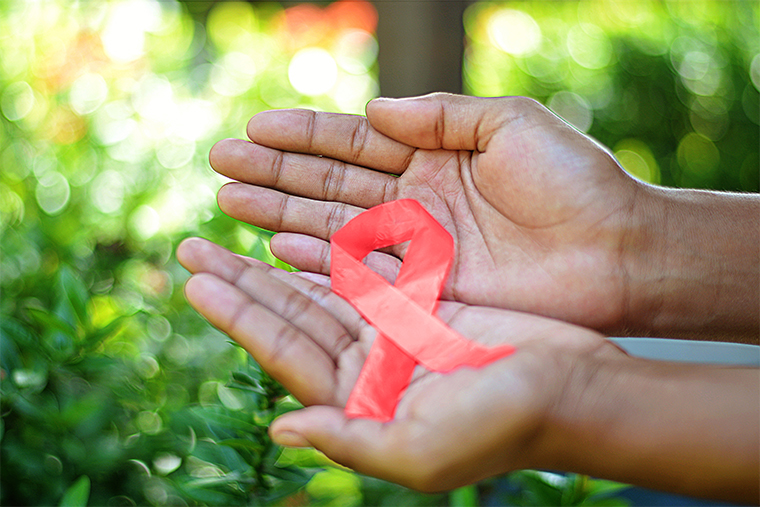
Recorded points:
290,439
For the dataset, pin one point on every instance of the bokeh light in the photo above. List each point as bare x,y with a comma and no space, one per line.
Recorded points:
17,100
573,108
672,86
637,159
312,71
514,32
108,111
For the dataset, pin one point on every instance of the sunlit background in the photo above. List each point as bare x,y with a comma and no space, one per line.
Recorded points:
113,389
670,87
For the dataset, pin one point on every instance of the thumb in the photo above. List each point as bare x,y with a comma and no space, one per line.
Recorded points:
441,120
361,444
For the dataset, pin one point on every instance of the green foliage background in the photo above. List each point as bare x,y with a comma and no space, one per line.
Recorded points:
670,86
114,392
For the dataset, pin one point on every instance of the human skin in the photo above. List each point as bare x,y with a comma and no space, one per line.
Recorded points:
543,217
567,399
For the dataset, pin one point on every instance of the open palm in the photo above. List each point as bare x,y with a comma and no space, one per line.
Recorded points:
539,212
315,344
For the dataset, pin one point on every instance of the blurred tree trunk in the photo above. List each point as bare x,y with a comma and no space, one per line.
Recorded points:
421,46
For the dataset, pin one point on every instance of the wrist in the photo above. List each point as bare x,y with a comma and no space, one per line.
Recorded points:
691,262
563,438
576,376
687,429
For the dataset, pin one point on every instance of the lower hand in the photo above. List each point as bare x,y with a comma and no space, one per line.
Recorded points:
449,429
565,400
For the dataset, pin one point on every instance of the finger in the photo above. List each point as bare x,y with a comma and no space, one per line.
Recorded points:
364,445
452,122
304,175
317,288
282,349
308,253
257,281
339,136
280,212
323,280
197,255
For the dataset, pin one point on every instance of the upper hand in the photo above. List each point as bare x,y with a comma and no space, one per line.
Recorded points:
539,212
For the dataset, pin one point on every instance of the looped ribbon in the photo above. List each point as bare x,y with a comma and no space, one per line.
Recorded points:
409,333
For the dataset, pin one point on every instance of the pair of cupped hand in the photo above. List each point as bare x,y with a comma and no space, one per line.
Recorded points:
546,226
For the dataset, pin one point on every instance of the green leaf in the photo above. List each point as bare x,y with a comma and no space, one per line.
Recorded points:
246,380
51,321
94,338
196,491
207,482
75,292
280,490
227,419
536,489
466,496
243,443
78,493
603,487
9,353
575,489
285,405
289,473
15,331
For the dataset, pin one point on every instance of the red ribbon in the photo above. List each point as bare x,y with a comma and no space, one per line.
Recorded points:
403,314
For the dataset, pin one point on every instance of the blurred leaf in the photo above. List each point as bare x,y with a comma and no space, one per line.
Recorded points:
9,352
51,320
466,496
574,489
94,338
222,456
207,482
59,345
78,493
606,502
75,293
227,419
208,496
243,443
604,487
282,489
289,473
12,329
81,409
536,490
245,379
246,382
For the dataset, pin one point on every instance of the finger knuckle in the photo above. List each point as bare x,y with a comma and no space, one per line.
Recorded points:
283,342
296,305
334,179
359,139
335,218
236,318
277,168
282,212
526,104
324,260
318,293
311,128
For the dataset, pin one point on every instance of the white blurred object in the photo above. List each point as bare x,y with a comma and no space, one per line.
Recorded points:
686,351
